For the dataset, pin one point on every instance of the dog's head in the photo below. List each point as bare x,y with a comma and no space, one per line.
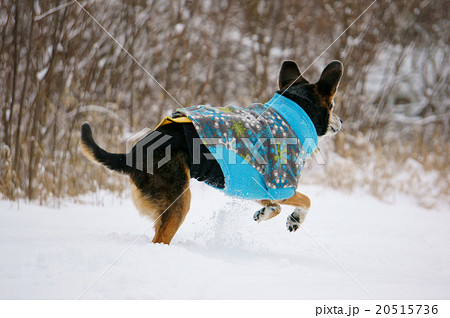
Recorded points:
315,99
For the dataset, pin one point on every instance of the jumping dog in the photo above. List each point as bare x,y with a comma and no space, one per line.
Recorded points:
164,195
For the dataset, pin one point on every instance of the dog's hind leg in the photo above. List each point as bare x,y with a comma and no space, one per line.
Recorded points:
171,218
164,196
270,210
302,204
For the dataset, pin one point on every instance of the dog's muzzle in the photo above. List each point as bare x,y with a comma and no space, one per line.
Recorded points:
335,124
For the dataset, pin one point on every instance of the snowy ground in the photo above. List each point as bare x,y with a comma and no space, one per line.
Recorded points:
351,246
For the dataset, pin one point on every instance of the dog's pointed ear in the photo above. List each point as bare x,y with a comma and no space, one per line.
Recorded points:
330,78
289,73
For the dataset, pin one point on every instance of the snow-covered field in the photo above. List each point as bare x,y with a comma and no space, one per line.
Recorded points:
351,246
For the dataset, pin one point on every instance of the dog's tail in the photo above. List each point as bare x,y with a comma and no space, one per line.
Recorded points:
114,161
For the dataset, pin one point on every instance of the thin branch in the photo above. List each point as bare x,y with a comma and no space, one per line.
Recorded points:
51,11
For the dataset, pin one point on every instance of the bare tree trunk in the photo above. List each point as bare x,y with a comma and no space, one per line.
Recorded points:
8,122
22,98
40,110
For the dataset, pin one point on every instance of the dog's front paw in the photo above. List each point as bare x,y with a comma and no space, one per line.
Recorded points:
265,213
296,219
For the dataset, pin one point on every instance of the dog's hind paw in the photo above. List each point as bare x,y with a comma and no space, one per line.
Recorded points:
265,213
296,219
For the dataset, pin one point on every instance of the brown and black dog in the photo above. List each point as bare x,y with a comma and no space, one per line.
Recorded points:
164,195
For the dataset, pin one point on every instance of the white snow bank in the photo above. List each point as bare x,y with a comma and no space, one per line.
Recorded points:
394,250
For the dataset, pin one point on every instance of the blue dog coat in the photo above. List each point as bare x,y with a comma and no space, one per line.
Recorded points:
260,149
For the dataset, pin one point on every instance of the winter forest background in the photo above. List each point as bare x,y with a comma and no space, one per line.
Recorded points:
59,68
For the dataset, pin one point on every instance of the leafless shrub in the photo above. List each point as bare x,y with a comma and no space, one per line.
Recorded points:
59,68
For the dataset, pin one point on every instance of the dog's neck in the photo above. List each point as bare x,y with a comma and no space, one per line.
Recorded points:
298,119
